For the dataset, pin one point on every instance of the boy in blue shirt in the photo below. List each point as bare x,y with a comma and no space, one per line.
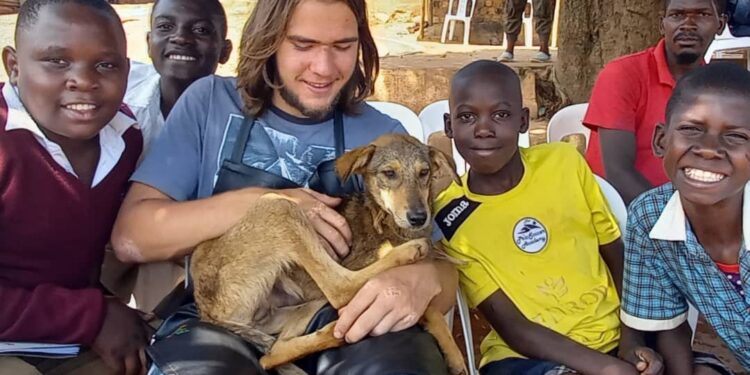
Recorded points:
686,239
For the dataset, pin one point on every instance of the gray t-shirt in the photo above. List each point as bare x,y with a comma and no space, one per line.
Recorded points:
201,130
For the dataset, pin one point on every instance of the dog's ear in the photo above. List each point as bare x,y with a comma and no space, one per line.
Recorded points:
354,161
443,170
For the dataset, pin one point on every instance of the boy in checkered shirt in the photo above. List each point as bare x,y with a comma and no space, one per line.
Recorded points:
685,239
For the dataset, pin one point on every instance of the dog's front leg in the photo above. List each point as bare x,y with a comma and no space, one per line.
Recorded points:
339,291
289,350
435,324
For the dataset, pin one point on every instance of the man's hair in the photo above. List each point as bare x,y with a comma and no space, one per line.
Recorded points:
212,7
721,5
28,14
489,70
716,78
262,36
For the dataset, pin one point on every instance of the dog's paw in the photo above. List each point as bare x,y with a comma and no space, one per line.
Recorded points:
459,371
422,247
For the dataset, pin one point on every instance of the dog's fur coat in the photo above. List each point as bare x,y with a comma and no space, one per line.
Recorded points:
268,275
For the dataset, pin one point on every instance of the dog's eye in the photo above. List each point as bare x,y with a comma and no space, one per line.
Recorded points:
389,173
424,173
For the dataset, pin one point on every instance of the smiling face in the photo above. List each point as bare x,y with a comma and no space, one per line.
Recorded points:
706,147
485,119
315,62
186,41
689,27
70,68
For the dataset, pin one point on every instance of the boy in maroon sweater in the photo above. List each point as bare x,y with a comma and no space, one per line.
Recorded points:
67,149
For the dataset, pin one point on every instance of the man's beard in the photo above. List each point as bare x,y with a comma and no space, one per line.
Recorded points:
313,113
687,58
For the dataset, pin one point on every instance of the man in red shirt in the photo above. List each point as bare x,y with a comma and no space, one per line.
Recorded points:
631,93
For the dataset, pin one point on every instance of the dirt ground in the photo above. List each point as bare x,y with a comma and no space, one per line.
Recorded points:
389,20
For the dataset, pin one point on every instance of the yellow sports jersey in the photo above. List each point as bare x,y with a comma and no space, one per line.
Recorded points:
539,243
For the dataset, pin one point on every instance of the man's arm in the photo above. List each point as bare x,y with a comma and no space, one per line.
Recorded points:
618,149
533,340
153,227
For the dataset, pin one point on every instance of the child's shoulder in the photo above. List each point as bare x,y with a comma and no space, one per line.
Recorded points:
648,206
555,154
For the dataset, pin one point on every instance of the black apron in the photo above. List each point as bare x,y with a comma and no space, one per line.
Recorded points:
234,174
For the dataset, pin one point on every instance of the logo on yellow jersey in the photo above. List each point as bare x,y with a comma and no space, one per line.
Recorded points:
530,235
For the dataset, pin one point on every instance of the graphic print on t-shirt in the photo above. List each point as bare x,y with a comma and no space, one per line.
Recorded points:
276,152
530,235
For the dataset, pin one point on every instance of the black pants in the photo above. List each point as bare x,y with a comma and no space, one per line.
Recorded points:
186,346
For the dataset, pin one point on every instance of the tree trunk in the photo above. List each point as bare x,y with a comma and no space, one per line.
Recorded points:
593,32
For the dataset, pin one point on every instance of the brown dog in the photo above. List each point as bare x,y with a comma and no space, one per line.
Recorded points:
268,275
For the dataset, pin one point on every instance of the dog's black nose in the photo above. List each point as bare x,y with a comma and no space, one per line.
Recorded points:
417,218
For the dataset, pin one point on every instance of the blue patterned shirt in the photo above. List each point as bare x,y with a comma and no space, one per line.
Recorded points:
666,267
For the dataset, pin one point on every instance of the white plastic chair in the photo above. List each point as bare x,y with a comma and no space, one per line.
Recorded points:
460,16
431,117
616,204
463,313
528,28
568,120
406,116
726,41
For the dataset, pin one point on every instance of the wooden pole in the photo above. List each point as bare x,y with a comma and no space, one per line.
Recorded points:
421,21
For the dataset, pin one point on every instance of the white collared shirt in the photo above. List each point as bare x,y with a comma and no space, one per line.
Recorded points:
143,97
110,137
671,224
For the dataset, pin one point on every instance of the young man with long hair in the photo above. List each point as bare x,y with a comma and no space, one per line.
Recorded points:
306,67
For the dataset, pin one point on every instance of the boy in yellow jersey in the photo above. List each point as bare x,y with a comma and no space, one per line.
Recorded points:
542,249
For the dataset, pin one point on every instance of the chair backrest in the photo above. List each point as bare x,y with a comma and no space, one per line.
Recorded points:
406,116
616,204
568,120
431,117
461,8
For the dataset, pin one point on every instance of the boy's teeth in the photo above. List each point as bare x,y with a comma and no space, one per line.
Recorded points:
181,58
81,107
703,176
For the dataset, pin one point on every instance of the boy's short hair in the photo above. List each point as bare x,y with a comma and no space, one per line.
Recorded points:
488,69
213,7
715,78
29,11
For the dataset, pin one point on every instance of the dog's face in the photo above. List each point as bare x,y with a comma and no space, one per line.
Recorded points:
399,173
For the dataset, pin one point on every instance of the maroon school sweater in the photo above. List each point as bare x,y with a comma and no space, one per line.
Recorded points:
53,230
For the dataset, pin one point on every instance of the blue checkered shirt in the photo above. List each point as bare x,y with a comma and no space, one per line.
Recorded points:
662,276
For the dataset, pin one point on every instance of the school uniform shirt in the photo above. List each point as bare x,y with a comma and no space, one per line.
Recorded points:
666,267
143,97
539,244
53,228
631,94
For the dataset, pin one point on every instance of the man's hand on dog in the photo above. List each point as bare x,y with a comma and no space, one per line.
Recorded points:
391,302
329,224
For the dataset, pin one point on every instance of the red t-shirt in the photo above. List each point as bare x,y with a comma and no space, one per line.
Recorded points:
631,94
